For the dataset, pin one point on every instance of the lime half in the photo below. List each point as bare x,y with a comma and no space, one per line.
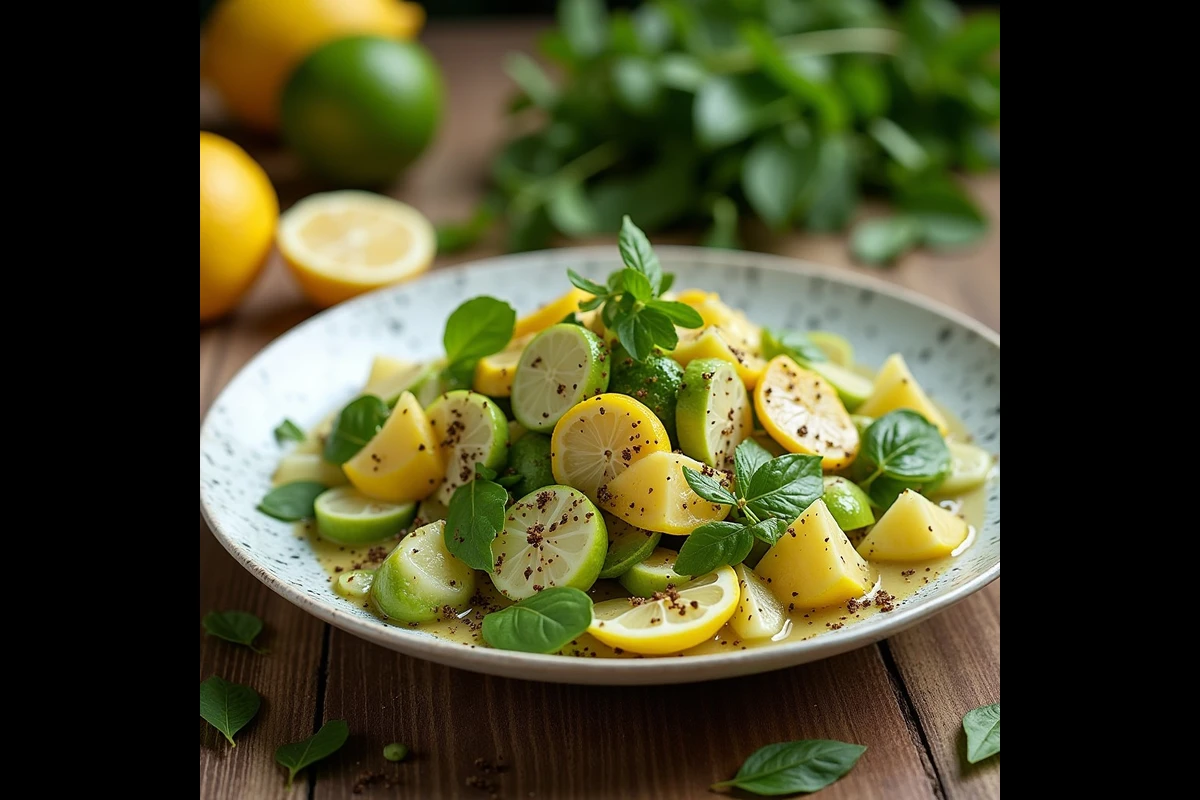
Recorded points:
653,574
713,414
347,516
420,577
562,366
469,429
849,505
627,545
552,537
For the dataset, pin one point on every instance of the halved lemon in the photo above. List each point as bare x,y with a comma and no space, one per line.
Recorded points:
803,413
341,244
669,621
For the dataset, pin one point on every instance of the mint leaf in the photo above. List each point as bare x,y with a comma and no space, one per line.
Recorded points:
477,328
288,431
790,767
637,284
668,280
325,742
982,726
748,456
473,519
636,337
291,501
580,282
680,314
228,706
355,425
711,545
708,487
543,623
637,253
239,627
785,486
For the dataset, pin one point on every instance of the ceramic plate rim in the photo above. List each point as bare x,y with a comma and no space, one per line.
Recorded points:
568,669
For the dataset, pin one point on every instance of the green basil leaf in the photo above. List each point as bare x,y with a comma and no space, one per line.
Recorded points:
866,87
580,282
883,491
543,623
534,82
459,375
355,425
794,344
637,253
585,25
291,501
712,545
728,108
637,284
660,327
903,444
680,314
474,518
773,174
668,280
477,328
824,98
982,726
708,487
288,431
228,706
884,239
239,627
588,305
635,337
790,767
635,85
768,530
833,191
485,472
325,742
785,486
748,456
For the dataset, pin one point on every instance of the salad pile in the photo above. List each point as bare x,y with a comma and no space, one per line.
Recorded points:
721,473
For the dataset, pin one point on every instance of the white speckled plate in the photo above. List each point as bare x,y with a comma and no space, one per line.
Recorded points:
320,365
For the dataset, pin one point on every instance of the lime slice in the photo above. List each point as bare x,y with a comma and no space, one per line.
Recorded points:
529,457
714,412
849,505
308,467
355,584
347,516
627,546
552,537
655,382
673,620
562,366
851,387
969,468
759,613
653,574
469,429
835,346
420,577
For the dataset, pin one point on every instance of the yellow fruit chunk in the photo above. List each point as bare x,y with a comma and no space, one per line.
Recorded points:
252,46
732,321
550,314
653,494
402,463
670,621
238,212
341,244
759,613
914,529
494,373
714,342
802,412
813,564
391,376
307,467
600,438
895,387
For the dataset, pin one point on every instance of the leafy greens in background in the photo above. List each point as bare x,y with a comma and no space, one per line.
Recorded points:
695,112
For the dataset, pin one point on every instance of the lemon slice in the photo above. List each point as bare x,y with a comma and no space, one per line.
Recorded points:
670,621
803,413
598,439
341,244
347,516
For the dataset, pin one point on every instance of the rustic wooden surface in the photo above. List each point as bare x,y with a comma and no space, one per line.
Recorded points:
904,698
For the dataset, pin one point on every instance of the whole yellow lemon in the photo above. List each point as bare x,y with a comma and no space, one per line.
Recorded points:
238,214
252,46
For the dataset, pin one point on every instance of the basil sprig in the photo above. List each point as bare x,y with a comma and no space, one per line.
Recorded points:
769,493
543,623
630,302
902,450
982,726
789,767
325,742
479,327
474,518
226,706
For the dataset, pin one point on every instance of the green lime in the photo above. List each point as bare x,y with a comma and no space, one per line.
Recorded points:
851,387
969,467
714,413
355,584
420,576
561,367
653,574
359,110
347,516
529,457
470,429
552,537
655,382
837,348
849,505
627,546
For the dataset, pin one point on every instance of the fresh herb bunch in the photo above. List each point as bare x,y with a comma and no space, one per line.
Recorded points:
697,111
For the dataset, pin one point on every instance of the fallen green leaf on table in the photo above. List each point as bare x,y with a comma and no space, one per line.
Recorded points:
791,767
325,742
227,706
982,726
239,627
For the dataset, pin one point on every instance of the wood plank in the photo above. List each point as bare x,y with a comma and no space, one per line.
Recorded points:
949,665
603,742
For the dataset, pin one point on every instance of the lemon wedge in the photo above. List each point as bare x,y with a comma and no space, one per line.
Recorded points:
342,244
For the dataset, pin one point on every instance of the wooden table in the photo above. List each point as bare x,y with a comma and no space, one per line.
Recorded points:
904,698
